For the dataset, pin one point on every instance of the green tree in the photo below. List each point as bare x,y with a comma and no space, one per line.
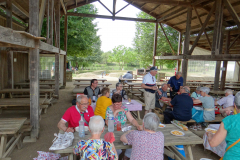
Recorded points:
82,33
144,41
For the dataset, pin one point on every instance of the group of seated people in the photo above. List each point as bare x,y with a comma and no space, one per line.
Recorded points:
180,108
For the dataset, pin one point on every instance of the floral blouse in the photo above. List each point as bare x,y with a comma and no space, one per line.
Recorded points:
94,149
121,117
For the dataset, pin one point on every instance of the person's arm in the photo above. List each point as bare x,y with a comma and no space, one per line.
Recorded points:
169,84
123,138
85,91
114,150
148,87
62,126
196,101
216,103
166,99
215,140
133,121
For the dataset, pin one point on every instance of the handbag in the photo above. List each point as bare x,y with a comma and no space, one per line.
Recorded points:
197,115
231,147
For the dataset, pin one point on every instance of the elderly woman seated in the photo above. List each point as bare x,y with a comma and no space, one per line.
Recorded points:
226,102
229,131
121,115
95,147
119,89
207,104
147,144
196,94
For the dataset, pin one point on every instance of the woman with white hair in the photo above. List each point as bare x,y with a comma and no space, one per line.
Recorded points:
207,104
196,94
229,131
95,147
147,144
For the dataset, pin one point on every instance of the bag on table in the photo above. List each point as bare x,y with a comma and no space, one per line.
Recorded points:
197,115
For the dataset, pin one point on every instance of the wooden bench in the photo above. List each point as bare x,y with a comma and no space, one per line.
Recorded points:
217,119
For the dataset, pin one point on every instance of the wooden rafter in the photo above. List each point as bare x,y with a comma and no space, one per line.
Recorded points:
114,9
167,11
122,8
20,8
232,12
166,2
233,42
193,18
198,2
200,21
154,8
167,38
171,14
105,6
63,6
80,4
110,17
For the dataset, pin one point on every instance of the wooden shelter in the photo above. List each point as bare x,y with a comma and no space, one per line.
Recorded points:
204,23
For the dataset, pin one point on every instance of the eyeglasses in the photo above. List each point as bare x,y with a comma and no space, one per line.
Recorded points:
117,104
84,104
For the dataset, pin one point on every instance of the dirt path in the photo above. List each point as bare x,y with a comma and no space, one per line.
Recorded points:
49,127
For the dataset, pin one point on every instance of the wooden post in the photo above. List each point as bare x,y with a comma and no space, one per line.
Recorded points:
155,44
47,21
186,45
179,50
65,48
51,4
41,15
34,68
217,40
57,26
9,13
224,72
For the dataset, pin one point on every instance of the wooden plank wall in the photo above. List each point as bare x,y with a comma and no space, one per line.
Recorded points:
20,68
14,26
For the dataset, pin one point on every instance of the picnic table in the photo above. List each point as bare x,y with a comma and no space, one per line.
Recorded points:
21,84
169,142
132,85
47,92
134,106
88,80
22,103
122,80
42,80
220,92
10,126
77,84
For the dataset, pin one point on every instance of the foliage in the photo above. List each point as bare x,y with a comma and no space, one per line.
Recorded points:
144,42
123,55
82,33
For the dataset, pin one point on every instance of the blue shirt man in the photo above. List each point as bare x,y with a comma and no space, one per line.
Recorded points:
128,75
182,107
175,83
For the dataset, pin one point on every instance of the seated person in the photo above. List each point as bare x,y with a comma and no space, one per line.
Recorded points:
103,102
163,96
128,75
95,147
121,115
175,83
93,91
75,113
207,104
149,137
182,107
119,89
196,94
226,102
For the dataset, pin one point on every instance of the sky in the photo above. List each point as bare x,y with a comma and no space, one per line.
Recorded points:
118,32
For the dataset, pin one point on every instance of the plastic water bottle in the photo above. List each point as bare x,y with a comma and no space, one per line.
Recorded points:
81,128
110,123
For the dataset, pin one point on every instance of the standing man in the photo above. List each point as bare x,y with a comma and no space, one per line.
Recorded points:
149,84
175,83
92,91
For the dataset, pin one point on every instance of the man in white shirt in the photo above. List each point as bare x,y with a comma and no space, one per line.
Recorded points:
149,84
227,102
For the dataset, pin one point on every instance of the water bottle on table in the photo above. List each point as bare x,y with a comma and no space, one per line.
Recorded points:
111,123
81,128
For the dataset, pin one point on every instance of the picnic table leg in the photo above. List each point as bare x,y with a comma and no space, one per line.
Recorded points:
188,152
3,145
70,156
138,114
3,95
10,95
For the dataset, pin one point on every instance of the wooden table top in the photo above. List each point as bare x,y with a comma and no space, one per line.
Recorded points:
12,102
143,104
123,79
139,84
40,83
11,125
169,140
25,90
79,80
88,83
221,92
27,80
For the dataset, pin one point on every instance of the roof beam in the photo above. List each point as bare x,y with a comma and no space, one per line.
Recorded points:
220,57
122,8
110,17
104,6
114,8
20,8
171,14
80,4
198,2
232,12
63,6
166,2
